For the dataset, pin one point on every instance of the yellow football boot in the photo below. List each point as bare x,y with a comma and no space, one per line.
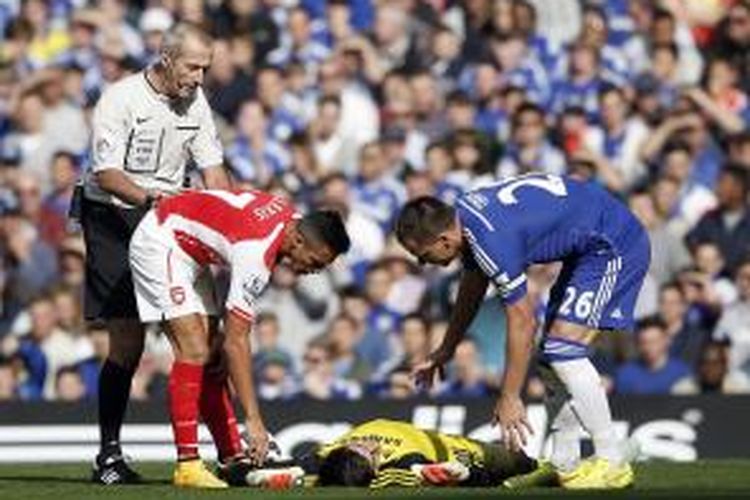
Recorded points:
598,474
588,475
194,474
620,477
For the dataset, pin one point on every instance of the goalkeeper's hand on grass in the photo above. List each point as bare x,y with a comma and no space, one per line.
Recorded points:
441,474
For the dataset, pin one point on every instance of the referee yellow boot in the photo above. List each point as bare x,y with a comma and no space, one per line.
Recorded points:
598,474
194,474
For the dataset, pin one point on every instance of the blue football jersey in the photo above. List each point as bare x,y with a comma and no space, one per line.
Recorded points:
539,218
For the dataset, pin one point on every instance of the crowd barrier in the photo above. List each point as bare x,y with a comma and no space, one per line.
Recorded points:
668,428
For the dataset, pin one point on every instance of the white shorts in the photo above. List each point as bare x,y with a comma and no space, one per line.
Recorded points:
168,282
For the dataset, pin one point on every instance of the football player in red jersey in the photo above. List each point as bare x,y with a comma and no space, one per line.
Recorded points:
171,252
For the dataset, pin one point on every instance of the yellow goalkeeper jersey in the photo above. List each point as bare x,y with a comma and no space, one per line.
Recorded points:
402,444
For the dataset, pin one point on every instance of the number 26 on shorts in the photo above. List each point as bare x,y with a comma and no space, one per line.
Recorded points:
580,305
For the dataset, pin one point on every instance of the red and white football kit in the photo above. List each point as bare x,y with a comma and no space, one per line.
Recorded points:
175,246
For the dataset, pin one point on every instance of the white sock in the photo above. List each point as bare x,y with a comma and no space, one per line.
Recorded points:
565,428
566,439
591,405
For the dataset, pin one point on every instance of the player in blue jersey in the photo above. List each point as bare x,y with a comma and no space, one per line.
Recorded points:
499,231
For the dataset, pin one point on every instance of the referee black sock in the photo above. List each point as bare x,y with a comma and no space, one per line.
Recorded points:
114,392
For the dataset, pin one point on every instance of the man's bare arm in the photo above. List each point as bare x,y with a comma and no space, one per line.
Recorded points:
237,350
471,290
116,182
216,177
521,325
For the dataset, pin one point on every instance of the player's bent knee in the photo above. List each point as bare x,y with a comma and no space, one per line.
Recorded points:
575,332
556,349
193,351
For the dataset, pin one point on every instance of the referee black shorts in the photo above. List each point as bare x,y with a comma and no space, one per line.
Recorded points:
107,230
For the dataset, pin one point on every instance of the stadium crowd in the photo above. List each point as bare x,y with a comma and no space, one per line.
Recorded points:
363,104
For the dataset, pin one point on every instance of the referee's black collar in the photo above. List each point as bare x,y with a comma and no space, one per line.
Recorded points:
178,105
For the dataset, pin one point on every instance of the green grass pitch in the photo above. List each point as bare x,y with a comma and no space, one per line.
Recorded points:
704,479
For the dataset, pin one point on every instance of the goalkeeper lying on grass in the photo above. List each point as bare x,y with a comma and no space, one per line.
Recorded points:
382,453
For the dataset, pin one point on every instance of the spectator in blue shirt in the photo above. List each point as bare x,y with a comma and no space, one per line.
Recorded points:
298,44
273,365
480,79
343,335
544,49
83,52
529,150
270,87
620,167
319,380
494,103
30,263
267,333
360,12
376,193
227,85
685,127
687,336
519,66
254,155
65,169
439,166
655,371
332,26
582,81
446,62
89,368
34,363
664,66
595,30
729,225
381,322
467,378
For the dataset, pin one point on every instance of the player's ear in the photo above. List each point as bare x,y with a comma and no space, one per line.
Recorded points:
444,239
165,57
298,239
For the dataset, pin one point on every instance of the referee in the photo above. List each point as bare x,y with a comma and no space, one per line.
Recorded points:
146,127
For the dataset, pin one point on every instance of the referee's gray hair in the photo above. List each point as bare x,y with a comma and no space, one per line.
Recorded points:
175,38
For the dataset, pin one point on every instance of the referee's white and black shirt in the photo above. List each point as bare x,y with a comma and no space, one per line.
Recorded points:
142,132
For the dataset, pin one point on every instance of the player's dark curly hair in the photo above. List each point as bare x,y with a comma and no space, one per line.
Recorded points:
423,219
345,467
326,227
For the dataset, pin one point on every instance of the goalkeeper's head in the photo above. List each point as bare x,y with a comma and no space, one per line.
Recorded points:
350,465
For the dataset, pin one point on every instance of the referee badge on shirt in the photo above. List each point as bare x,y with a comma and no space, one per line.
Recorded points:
143,152
103,148
252,288
177,294
103,145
